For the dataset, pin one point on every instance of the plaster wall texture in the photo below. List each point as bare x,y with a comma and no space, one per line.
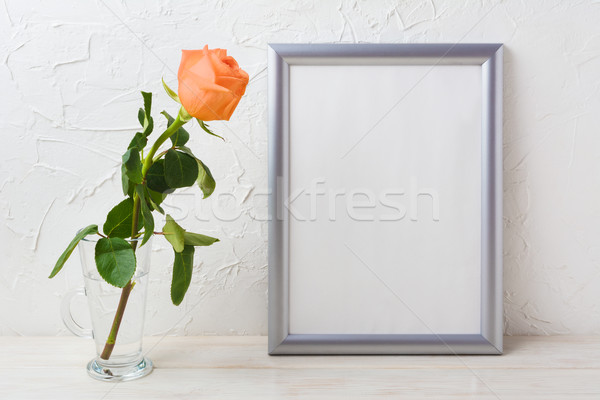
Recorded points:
71,73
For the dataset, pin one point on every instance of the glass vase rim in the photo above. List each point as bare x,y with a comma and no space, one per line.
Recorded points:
95,239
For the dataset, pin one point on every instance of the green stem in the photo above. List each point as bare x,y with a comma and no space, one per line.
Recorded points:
148,161
177,123
114,330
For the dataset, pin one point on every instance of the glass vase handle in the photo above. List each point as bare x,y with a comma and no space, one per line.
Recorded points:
67,316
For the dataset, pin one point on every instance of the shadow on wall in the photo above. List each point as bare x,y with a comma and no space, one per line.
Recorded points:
520,315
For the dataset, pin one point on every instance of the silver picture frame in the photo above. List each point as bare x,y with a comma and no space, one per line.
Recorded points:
282,57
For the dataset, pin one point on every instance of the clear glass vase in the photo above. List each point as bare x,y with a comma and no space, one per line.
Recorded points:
126,361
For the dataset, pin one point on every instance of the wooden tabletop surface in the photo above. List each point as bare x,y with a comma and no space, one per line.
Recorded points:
222,367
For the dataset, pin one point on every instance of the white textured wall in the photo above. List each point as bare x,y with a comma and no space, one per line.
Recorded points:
70,78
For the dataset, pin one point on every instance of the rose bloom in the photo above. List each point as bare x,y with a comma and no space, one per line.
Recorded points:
211,83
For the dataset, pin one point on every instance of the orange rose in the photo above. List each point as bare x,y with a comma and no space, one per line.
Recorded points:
211,83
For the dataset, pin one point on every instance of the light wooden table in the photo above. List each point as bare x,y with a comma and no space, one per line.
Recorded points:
41,368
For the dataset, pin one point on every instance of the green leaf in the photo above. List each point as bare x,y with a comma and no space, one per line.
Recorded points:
146,213
174,234
147,103
133,165
155,178
207,130
141,116
187,151
181,170
148,121
197,239
115,261
88,230
170,92
125,183
156,199
138,142
181,136
182,274
149,128
119,220
205,180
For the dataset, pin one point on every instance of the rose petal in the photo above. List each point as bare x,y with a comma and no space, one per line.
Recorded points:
211,83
